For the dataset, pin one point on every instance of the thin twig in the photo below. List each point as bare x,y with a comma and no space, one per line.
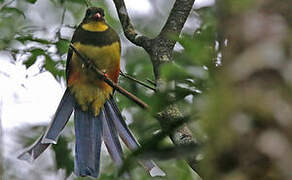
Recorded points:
151,82
104,77
6,4
137,81
58,33
88,3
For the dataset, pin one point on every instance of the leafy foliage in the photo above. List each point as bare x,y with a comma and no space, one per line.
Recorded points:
31,1
64,159
7,12
187,76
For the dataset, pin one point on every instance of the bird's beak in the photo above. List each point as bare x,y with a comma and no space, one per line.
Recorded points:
97,16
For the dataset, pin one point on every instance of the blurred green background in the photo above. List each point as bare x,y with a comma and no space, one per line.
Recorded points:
35,35
230,78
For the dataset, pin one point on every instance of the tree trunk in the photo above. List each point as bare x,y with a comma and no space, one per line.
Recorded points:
249,113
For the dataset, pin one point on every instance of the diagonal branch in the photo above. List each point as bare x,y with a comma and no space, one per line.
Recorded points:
128,28
104,77
176,20
137,81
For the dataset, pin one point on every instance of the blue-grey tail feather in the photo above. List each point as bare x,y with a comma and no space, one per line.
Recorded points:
88,132
124,131
59,121
110,136
121,125
34,151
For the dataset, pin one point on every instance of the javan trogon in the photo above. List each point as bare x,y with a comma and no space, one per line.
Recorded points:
96,115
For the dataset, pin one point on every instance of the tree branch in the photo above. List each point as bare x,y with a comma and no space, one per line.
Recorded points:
137,81
160,51
104,77
128,28
182,135
176,20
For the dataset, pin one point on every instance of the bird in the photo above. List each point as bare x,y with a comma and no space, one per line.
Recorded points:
96,114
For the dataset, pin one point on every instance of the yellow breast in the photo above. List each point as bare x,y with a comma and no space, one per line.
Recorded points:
105,57
89,91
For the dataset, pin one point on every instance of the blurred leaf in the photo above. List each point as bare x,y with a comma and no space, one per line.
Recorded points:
83,178
28,134
62,46
78,1
34,54
31,1
24,39
10,11
64,159
71,1
169,152
184,171
200,49
51,66
108,177
171,71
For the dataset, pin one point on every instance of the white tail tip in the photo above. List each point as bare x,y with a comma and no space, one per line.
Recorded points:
26,157
156,171
48,141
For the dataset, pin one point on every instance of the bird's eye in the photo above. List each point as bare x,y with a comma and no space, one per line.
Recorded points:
88,12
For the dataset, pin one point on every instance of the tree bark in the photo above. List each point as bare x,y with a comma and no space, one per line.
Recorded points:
160,50
248,109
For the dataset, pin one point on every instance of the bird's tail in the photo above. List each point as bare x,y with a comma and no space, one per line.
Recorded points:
59,121
108,125
116,120
88,133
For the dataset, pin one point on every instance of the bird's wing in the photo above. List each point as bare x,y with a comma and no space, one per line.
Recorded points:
69,56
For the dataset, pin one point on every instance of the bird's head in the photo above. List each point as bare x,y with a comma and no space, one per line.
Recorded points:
94,14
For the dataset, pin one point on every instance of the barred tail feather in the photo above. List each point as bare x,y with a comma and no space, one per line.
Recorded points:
59,121
128,138
88,132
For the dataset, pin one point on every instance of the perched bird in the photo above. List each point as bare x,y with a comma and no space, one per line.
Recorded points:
96,115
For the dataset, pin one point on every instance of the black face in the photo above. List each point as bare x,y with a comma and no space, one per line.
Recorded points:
94,14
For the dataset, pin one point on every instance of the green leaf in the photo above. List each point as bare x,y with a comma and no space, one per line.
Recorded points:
10,11
51,66
24,39
31,1
171,71
78,1
62,46
201,48
33,57
64,159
